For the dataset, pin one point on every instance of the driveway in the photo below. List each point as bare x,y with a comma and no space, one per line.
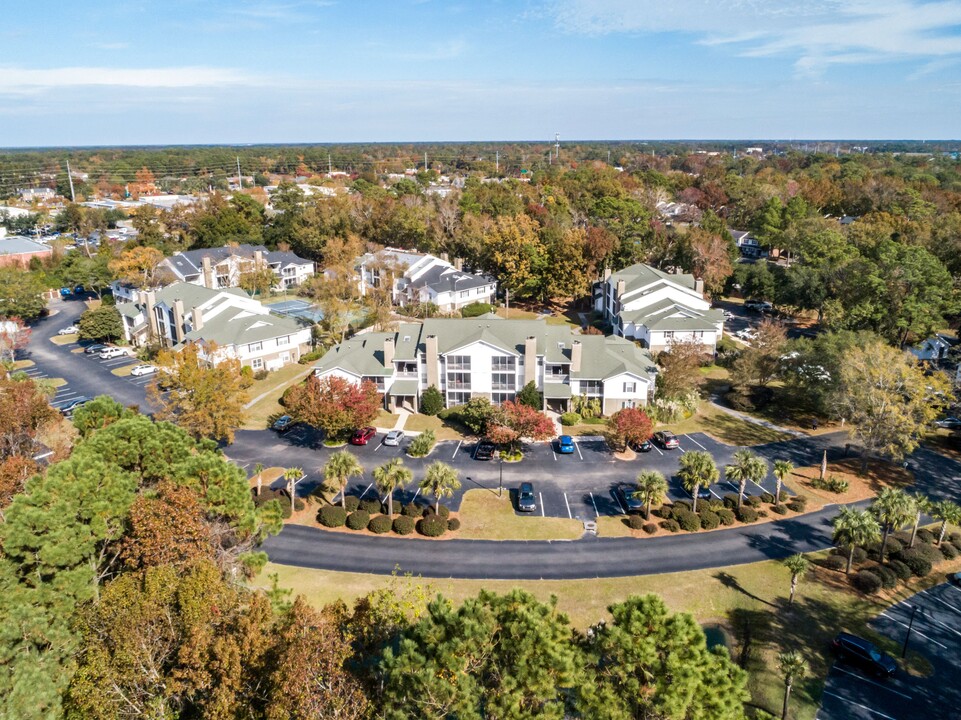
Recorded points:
936,633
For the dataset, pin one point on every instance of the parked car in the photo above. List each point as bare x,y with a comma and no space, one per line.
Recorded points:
362,436
630,500
143,370
393,438
94,349
485,450
525,498
68,409
949,423
746,334
69,330
666,439
758,305
283,424
112,352
859,651
642,446
565,444
728,315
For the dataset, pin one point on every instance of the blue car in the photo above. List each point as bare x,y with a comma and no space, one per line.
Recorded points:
565,444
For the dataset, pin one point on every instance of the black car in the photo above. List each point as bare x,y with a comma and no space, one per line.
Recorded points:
485,450
642,446
525,498
94,349
859,651
630,499
68,409
283,424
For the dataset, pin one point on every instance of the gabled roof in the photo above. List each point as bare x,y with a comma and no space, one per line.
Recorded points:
361,355
668,314
191,262
238,327
637,277
448,279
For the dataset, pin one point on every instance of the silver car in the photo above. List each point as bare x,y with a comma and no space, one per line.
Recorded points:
393,438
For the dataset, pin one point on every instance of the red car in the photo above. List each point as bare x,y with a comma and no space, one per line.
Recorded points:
362,436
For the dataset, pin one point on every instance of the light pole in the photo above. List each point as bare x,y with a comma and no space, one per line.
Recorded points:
907,635
500,482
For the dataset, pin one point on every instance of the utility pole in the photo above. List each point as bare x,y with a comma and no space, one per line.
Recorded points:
240,178
497,161
425,162
557,146
70,180
330,166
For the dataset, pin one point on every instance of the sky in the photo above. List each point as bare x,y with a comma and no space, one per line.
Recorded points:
99,72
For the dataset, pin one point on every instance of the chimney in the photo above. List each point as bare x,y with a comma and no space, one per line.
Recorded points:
699,287
208,273
530,360
620,289
150,300
445,257
459,263
389,352
179,321
432,378
576,356
259,259
607,274
197,316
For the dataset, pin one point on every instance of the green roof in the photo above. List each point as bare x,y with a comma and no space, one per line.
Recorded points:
557,391
361,355
639,276
238,327
403,388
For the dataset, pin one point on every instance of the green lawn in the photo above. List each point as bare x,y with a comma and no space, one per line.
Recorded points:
23,364
484,516
63,339
442,430
727,428
265,394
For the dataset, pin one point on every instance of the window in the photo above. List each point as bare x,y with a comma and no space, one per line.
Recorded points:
257,363
627,404
630,387
503,381
464,293
668,334
255,347
698,334
503,364
378,381
458,381
285,340
457,398
458,362
501,397
592,388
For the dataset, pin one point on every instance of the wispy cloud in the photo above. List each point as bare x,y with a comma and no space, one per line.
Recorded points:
110,45
18,79
817,33
285,11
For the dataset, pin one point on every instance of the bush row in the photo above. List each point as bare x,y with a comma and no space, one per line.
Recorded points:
429,524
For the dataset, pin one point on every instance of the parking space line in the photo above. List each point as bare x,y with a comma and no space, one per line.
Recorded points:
863,707
914,630
378,447
617,499
568,507
715,494
540,497
695,442
927,617
365,490
415,495
456,450
954,588
577,447
596,514
949,606
659,451
553,453
876,684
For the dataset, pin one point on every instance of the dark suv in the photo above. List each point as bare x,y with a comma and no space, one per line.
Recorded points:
859,651
525,498
485,450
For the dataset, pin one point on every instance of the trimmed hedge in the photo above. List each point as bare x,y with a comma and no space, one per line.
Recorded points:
680,505
650,528
730,500
753,500
476,309
889,578
403,525
926,536
920,565
902,571
412,510
662,512
670,525
747,514
371,506
860,554
453,524
867,582
726,516
332,516
795,506
352,503
570,418
949,551
421,445
432,526
379,524
358,520
835,562
687,520
709,519
767,498
779,509
931,553
635,522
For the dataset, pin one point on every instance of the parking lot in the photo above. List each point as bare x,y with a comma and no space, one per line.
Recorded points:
936,633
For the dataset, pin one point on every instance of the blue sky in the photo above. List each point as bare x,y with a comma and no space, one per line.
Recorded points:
245,71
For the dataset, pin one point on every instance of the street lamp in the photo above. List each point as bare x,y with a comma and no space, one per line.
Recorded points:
500,482
907,635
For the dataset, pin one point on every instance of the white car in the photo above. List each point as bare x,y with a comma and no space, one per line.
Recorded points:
69,330
394,437
143,370
112,352
746,334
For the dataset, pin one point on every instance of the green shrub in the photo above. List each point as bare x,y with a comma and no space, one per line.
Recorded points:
332,516
931,553
860,554
570,418
834,562
670,525
421,445
443,511
714,504
412,510
762,513
709,519
532,397
900,569
371,505
681,505
358,520
662,512
635,522
747,514
800,499
831,484
431,401
453,524
920,565
889,578
893,547
955,539
726,516
753,500
730,500
796,506
379,524
403,525
767,497
779,509
476,309
926,536
867,582
687,520
650,528
311,356
351,503
432,526
949,551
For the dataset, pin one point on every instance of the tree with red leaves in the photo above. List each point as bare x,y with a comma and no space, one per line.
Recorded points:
14,335
514,420
628,426
334,404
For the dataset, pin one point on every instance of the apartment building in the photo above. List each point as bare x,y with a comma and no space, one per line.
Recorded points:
494,358
222,267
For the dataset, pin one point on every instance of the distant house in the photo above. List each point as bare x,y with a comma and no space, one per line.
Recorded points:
746,243
19,250
222,267
657,308
36,194
419,278
934,349
239,326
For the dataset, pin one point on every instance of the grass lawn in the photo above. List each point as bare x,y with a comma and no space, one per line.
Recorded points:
53,382
589,426
726,428
484,516
516,314
750,601
265,395
442,430
123,371
64,339
23,364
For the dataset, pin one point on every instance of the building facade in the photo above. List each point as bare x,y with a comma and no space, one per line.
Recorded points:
494,358
18,250
222,267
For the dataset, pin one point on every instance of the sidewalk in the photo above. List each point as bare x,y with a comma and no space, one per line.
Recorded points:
756,421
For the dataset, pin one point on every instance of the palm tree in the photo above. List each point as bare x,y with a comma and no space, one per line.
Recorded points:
651,488
947,512
293,476
746,466
440,481
922,505
259,472
853,527
893,508
782,468
792,667
798,565
390,476
342,466
698,470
